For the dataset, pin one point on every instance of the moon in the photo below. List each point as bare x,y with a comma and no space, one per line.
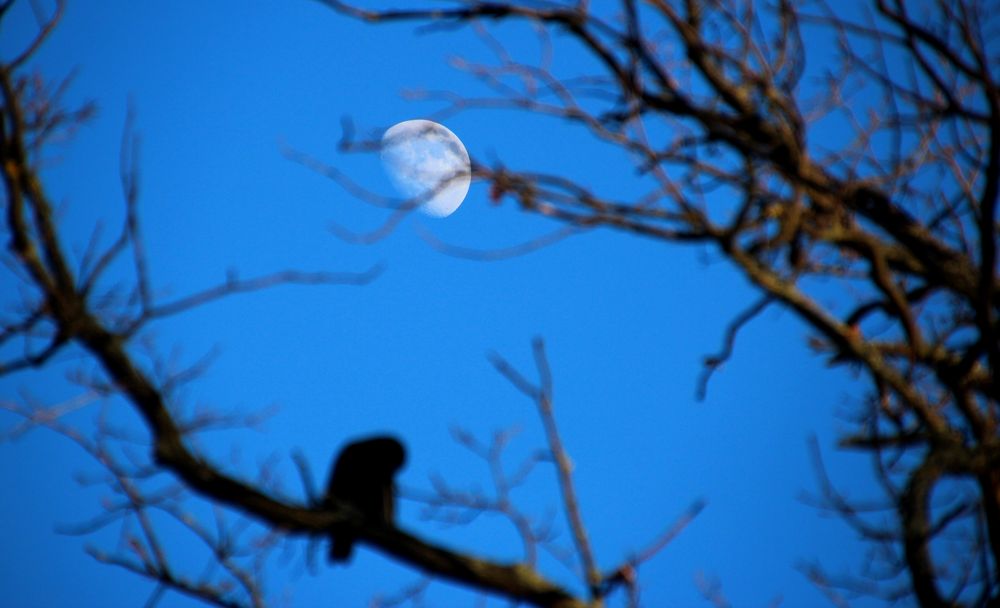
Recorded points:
428,164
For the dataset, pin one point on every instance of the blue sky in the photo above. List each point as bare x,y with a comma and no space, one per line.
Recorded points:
218,89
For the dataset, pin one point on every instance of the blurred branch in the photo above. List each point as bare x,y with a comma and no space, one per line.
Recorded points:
137,505
38,252
452,506
713,362
234,285
542,395
895,220
491,255
598,584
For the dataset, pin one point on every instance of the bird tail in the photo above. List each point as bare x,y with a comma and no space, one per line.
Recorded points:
340,549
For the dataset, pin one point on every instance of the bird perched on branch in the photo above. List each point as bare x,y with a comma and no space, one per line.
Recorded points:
363,476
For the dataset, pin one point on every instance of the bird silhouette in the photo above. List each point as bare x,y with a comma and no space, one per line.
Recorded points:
363,476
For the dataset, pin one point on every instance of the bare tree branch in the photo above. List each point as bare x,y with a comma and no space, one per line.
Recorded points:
900,221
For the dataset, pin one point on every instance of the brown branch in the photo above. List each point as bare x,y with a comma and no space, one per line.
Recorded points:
452,506
722,95
542,395
44,32
38,249
149,557
503,253
713,362
856,215
234,285
915,514
670,533
513,581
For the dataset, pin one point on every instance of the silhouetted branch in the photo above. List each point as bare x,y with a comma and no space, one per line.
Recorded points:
138,510
450,505
234,285
898,217
598,584
38,250
503,253
713,362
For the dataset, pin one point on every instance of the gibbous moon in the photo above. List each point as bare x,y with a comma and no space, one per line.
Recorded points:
428,163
